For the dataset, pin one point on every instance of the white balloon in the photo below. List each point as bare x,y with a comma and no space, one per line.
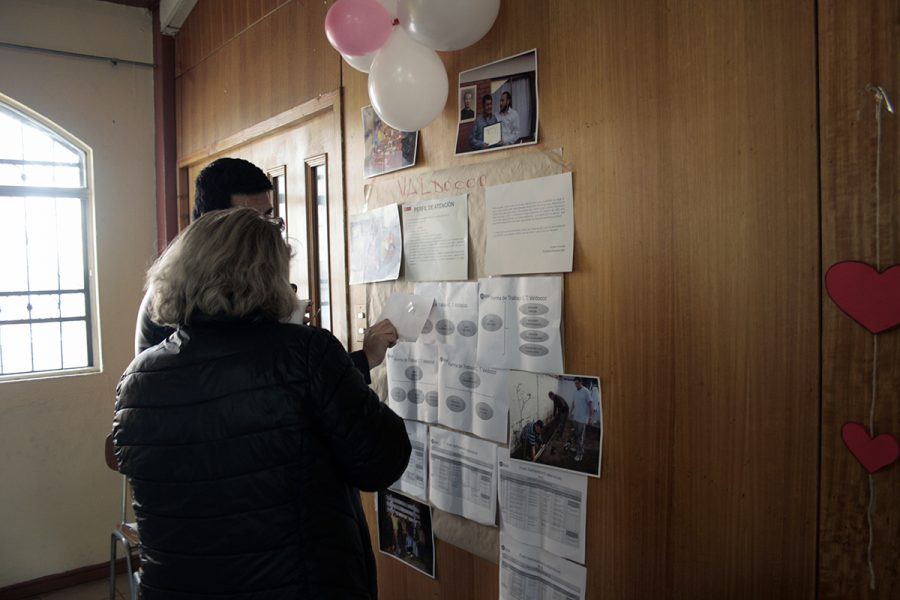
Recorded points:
407,83
443,25
390,6
360,63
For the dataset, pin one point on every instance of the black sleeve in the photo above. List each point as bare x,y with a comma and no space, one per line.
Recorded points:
362,364
146,332
367,439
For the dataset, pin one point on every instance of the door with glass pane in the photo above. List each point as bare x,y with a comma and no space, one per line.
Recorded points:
304,163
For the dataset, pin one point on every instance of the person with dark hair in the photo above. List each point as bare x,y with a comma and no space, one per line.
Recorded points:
235,182
246,439
531,438
560,410
229,182
485,119
509,120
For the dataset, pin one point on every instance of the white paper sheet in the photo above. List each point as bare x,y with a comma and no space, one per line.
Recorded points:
529,573
412,381
436,239
472,398
414,481
543,507
375,245
463,475
408,313
519,323
530,226
454,318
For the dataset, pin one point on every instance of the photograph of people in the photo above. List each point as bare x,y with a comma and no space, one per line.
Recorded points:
485,119
404,530
247,438
467,104
560,427
503,93
509,120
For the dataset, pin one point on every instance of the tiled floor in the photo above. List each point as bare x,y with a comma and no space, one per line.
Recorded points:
95,590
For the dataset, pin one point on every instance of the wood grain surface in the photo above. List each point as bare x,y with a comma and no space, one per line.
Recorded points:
707,204
859,45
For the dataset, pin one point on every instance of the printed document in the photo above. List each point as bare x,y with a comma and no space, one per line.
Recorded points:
454,318
543,507
519,323
412,381
529,573
375,245
436,239
463,475
530,226
472,398
414,481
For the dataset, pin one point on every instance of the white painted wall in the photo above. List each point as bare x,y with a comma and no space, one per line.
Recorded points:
58,500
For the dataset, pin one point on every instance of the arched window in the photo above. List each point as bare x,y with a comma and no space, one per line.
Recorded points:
46,301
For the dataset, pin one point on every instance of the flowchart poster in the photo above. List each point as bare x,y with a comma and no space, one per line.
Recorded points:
454,319
412,381
519,323
472,398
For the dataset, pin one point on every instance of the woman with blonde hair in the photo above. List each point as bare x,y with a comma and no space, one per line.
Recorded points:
246,438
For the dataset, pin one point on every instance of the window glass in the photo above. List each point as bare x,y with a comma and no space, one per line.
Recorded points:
45,306
45,283
46,346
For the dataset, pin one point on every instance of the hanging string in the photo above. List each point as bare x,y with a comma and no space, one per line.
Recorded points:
881,100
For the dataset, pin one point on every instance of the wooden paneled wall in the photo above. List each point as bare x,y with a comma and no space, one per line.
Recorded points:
692,131
239,62
859,45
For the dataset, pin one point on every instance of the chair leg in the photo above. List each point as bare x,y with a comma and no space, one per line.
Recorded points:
133,577
136,586
112,566
132,588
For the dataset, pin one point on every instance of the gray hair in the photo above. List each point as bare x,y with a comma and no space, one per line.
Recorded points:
231,263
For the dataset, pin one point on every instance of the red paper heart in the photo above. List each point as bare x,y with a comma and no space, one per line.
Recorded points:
870,298
872,453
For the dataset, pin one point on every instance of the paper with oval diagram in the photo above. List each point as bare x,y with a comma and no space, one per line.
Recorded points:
519,323
454,317
470,397
412,381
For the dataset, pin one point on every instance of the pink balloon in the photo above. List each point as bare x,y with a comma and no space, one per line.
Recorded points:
357,27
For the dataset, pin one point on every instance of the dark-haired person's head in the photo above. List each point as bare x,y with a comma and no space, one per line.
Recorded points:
505,101
539,426
487,105
232,182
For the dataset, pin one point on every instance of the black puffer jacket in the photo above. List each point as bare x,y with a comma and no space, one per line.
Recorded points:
245,443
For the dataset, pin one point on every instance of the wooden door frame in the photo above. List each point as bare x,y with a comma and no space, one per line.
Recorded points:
329,102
